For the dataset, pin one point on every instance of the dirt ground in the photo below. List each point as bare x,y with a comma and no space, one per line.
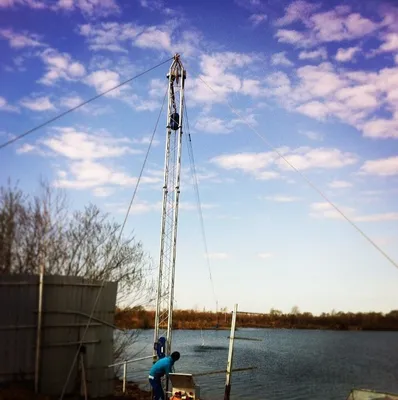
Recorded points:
23,392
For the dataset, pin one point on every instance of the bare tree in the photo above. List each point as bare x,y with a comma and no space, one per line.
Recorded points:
295,310
84,243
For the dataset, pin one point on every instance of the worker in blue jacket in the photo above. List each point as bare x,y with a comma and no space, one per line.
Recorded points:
162,367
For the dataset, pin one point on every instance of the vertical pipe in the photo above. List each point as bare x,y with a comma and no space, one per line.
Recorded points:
124,376
83,377
39,324
230,355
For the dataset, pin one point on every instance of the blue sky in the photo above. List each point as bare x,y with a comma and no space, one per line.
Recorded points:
318,80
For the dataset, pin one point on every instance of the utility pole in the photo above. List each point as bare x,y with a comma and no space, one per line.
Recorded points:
227,391
169,221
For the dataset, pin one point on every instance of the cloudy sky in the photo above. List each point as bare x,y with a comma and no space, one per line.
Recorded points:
318,81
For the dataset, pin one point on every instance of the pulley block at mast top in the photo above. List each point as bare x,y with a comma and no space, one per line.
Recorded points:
176,70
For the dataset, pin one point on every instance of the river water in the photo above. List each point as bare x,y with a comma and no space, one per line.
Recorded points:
290,364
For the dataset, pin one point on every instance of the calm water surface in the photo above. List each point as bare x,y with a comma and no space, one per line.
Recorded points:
291,364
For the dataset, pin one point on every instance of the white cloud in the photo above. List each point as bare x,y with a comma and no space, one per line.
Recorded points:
35,4
154,38
103,191
216,63
292,37
214,125
158,5
326,210
359,97
280,59
80,145
339,184
221,71
4,106
145,140
381,167
381,128
252,87
89,8
314,54
71,101
147,105
89,174
335,25
104,80
345,55
245,161
217,256
117,37
109,35
339,24
282,199
390,43
353,97
136,102
312,135
60,66
20,40
298,10
145,207
305,158
257,19
38,103
25,148
138,207
186,206
264,256
262,165
314,109
389,216
157,88
318,81
91,109
266,175
142,207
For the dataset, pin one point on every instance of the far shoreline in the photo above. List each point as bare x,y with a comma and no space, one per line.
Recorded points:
140,318
275,328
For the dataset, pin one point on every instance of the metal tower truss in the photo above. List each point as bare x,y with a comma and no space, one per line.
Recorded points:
171,191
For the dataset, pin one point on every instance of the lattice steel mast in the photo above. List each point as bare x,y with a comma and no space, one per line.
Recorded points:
171,192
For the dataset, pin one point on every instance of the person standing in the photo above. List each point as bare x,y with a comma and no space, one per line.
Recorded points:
162,367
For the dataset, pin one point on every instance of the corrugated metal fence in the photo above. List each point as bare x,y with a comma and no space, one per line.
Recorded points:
67,305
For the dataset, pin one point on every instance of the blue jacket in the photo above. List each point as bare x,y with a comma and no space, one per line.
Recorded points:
161,367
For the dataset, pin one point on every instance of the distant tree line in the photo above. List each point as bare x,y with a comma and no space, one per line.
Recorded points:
140,318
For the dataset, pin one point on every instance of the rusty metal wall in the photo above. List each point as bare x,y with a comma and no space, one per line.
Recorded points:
67,304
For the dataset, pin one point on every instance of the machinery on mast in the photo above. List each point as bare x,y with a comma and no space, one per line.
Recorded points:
169,220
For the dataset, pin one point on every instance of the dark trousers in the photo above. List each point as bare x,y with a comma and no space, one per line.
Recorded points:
158,393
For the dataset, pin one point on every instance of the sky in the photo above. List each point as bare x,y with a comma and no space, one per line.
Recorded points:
317,80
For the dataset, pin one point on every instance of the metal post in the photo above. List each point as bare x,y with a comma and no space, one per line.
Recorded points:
230,355
39,324
124,376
